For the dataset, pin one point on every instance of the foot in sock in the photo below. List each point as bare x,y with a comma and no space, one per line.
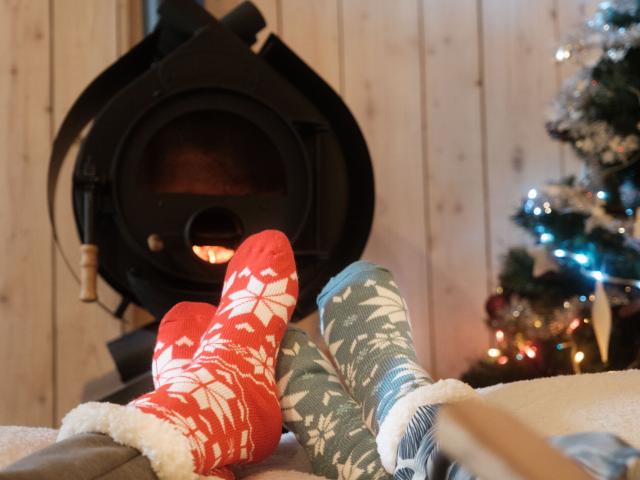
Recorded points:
178,339
365,323
324,418
222,408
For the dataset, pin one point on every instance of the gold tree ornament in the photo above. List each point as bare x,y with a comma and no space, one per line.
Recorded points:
601,318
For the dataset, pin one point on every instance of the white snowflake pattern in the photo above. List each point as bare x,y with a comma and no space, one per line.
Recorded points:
208,392
188,427
349,470
385,340
288,404
209,345
143,402
262,363
184,340
389,303
265,300
325,431
165,367
350,373
327,366
228,282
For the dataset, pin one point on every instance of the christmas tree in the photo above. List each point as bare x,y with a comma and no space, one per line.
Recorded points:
571,303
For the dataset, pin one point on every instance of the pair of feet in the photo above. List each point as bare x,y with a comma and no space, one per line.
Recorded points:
215,401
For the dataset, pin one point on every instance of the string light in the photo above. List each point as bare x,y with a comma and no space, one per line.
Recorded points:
546,238
578,357
494,352
604,277
575,323
500,335
563,54
581,258
503,360
533,193
537,211
530,352
601,195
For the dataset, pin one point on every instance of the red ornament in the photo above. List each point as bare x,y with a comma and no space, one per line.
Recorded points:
495,305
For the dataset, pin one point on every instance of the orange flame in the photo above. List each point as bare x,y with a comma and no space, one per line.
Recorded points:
213,253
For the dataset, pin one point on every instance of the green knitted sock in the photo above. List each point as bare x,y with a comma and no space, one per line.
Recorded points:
324,419
366,325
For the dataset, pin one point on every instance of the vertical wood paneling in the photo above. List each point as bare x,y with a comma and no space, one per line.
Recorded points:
311,29
382,85
25,242
455,183
85,42
130,24
520,80
570,14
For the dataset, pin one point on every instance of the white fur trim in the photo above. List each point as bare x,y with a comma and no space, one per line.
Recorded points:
165,447
396,421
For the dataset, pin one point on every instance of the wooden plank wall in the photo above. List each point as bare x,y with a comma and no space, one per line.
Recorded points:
450,95
85,37
26,326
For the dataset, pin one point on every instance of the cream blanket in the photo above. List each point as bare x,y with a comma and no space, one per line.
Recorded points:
558,405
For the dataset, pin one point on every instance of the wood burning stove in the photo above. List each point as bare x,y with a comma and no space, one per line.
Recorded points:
198,142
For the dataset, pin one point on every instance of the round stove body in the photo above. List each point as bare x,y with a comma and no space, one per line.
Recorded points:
211,144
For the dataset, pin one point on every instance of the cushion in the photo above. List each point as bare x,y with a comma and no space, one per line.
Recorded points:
607,402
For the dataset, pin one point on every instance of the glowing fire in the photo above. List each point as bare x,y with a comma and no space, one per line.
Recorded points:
213,253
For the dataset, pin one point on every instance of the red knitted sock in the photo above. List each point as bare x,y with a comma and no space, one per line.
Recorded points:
178,339
222,408
179,336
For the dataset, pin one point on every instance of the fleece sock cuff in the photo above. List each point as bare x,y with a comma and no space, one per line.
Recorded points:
394,426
